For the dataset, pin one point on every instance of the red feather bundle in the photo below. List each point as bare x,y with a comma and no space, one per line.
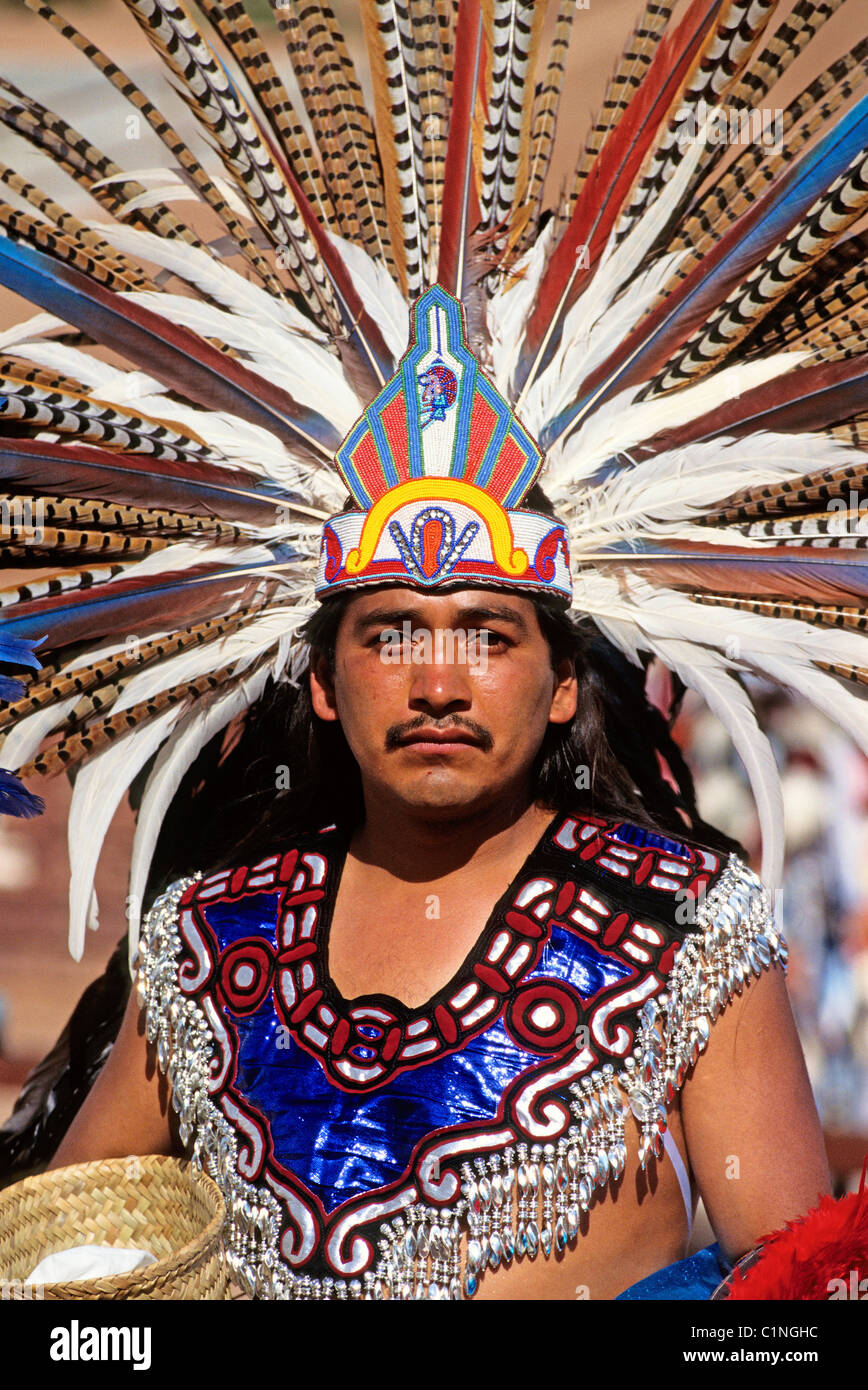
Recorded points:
819,1257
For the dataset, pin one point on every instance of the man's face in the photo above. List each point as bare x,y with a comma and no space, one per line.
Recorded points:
444,699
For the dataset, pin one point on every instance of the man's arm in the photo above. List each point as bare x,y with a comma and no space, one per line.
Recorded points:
127,1110
751,1126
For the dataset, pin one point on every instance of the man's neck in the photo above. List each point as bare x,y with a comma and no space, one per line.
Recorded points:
419,848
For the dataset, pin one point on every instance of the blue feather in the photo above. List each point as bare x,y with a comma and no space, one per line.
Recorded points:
18,651
15,799
10,689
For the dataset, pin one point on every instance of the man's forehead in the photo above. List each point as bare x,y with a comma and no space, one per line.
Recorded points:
403,600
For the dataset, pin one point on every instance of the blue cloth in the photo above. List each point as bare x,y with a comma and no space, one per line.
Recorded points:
341,1144
693,1279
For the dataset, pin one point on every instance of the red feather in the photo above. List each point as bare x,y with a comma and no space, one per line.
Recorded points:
162,602
605,189
819,575
820,1256
461,204
806,399
198,488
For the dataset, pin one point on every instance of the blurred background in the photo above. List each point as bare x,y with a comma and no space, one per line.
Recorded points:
824,904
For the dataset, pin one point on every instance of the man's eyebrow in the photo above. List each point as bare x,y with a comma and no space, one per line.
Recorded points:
384,617
393,617
484,613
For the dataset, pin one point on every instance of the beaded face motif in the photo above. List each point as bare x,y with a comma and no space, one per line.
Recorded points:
437,467
364,1145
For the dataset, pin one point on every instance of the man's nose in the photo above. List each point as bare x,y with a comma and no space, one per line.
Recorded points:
439,682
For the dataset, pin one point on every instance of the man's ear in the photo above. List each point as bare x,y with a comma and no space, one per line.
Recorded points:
322,688
565,695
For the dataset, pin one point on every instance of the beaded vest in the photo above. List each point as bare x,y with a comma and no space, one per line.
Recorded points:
367,1149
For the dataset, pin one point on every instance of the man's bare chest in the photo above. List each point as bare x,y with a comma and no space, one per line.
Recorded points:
405,941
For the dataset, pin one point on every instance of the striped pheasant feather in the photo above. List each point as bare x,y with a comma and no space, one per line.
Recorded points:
245,152
623,85
191,167
740,28
73,153
825,221
433,78
233,24
768,151
544,114
400,136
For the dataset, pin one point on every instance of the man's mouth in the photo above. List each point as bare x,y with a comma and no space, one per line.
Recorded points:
437,738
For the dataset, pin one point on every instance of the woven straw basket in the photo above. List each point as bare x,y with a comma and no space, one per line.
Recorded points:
154,1203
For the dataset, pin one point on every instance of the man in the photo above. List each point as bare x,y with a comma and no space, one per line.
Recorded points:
412,1044
379,1126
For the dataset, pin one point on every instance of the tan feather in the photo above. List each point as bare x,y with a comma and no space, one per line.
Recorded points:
545,111
803,493
71,750
116,269
366,174
50,686
821,615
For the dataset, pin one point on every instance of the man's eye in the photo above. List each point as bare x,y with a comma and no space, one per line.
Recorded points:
486,639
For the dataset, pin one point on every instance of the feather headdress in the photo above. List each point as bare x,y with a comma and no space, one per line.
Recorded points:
685,335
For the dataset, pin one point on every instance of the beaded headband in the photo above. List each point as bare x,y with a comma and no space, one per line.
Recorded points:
438,465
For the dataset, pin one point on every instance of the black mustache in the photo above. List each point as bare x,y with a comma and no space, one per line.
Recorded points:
398,732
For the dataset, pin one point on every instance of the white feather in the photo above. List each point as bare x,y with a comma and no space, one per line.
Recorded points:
706,644
378,292
311,374
175,184
750,640
237,443
707,673
240,648
214,278
683,484
584,348
596,323
165,193
618,425
509,308
99,787
39,323
843,705
710,673
172,762
97,376
23,740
